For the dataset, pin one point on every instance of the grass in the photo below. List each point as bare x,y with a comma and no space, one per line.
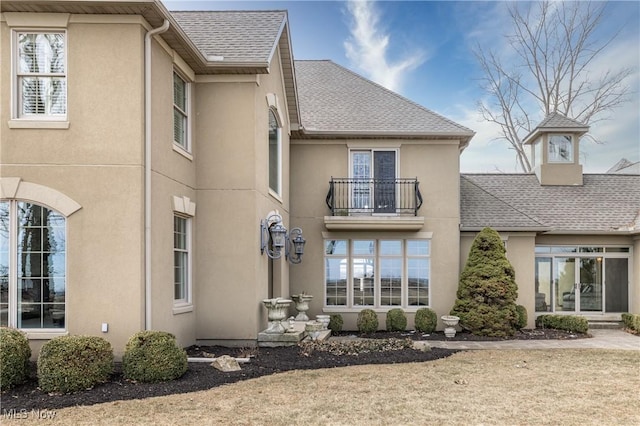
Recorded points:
535,387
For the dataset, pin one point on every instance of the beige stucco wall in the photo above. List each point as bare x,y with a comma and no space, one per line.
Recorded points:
434,163
232,197
98,165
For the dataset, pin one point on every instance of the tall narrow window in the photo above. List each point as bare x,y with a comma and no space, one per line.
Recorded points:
181,261
275,151
180,112
32,266
336,272
418,272
41,76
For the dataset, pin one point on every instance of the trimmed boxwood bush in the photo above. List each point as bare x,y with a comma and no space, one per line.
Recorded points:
14,357
153,356
396,320
572,323
367,321
426,320
335,323
632,322
522,317
487,290
72,363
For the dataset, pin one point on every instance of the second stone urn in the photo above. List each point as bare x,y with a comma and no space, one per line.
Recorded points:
302,305
450,322
277,310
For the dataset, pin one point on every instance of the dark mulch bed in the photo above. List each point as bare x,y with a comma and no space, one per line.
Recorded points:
265,361
525,334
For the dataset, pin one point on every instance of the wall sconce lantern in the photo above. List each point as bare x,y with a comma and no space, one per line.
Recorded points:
271,229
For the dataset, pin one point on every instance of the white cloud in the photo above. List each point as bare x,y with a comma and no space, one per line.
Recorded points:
367,48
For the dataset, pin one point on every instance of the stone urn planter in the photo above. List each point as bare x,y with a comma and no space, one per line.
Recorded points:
277,310
302,305
450,322
313,329
324,320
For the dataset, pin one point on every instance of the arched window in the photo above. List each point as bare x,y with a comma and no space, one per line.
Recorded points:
275,153
32,266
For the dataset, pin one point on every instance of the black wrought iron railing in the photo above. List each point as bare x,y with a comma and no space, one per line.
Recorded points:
347,197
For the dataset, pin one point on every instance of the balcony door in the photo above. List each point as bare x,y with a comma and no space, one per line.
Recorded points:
374,175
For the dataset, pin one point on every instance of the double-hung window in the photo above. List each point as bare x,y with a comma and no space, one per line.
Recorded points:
181,259
32,266
377,273
181,112
40,75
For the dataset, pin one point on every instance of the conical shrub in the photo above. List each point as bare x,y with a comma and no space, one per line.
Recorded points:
487,290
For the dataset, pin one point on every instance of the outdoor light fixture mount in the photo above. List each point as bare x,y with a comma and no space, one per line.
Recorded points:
274,237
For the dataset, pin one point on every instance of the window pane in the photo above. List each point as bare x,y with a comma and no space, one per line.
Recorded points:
363,281
274,153
41,53
617,249
391,281
390,248
418,247
418,281
179,128
179,92
363,246
338,247
29,315
336,281
543,285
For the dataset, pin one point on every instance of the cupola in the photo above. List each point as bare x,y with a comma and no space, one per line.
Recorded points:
555,150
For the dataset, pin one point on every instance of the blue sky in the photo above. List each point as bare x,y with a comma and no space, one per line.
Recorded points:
421,49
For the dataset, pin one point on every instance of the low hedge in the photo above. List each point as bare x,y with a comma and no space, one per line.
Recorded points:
14,357
335,323
522,317
572,323
396,320
72,363
367,321
426,320
153,356
632,322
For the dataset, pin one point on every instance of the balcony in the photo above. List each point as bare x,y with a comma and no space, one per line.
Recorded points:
374,204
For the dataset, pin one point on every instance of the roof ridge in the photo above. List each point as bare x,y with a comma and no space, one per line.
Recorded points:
397,95
533,218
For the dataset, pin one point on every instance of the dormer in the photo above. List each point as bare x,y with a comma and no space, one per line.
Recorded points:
555,150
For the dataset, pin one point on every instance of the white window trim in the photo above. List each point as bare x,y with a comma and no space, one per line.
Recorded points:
185,208
38,121
377,306
12,320
185,150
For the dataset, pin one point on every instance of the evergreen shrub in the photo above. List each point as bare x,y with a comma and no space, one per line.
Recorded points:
487,290
335,323
426,320
632,322
14,357
396,320
367,321
572,323
153,356
522,317
72,363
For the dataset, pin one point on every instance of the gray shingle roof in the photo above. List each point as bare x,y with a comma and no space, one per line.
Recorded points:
605,203
334,100
238,36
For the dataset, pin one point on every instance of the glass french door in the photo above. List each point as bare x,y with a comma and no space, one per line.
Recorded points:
374,175
579,284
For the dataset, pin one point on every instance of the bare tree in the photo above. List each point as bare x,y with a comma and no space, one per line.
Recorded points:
555,46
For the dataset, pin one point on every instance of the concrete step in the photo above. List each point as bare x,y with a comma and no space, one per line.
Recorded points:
605,325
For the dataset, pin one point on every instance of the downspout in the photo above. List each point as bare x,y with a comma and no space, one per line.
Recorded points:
147,170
